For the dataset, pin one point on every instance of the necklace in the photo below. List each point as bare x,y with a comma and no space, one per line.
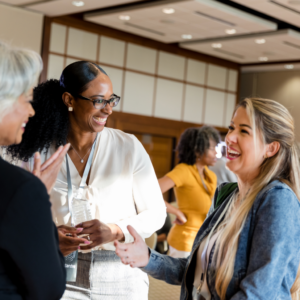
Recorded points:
81,158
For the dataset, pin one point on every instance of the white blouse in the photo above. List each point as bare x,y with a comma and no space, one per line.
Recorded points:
122,186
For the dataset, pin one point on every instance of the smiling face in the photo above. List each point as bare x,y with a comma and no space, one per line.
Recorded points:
209,158
244,155
85,116
12,125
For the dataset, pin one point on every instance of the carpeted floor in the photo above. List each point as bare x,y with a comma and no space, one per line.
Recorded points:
159,290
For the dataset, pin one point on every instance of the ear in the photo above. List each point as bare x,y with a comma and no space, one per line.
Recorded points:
272,149
68,99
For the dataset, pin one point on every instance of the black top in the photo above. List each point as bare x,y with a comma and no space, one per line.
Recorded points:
31,264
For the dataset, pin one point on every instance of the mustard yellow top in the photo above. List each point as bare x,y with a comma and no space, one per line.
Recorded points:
193,200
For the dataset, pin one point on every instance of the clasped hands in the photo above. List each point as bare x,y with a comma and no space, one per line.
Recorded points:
71,239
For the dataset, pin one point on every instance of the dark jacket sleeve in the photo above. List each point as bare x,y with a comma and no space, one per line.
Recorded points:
30,237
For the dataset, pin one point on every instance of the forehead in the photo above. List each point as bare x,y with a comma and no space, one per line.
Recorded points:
241,117
101,85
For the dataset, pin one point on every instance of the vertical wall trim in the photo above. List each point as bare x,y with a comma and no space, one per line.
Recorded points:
124,74
226,98
205,93
66,46
184,88
155,83
45,47
98,48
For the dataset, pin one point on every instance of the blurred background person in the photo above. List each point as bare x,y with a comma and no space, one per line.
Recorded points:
220,169
31,264
194,186
121,185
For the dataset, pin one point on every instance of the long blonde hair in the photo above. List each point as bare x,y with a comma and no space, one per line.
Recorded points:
271,122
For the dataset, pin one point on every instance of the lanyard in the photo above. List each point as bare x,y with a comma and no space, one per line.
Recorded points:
84,177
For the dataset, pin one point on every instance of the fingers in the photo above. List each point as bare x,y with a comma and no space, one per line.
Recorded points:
120,246
69,229
133,232
37,165
88,224
53,157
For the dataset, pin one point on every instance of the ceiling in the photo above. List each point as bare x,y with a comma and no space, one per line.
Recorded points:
201,19
197,24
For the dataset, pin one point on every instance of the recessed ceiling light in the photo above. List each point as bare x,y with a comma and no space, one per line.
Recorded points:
289,67
263,58
260,41
78,3
216,45
124,18
187,36
230,31
169,11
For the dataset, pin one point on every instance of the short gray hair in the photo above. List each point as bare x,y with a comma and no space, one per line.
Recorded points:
19,71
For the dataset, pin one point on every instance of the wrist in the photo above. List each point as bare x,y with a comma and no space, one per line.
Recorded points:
117,233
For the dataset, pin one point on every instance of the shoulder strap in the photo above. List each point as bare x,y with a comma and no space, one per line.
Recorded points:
225,191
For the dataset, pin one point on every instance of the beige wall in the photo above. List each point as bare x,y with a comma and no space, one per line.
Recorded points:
20,27
282,86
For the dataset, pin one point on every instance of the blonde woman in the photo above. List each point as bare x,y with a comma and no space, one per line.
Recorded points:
248,246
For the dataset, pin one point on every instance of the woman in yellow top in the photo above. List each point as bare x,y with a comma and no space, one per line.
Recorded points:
194,185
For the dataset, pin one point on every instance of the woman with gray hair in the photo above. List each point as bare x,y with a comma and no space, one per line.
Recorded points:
31,264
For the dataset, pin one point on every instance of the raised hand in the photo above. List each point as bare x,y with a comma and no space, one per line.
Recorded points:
135,254
68,241
48,171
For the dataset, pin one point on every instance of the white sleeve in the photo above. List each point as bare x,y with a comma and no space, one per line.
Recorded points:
150,206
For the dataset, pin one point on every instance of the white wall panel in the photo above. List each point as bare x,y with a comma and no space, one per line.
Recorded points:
55,66
193,105
214,108
82,44
111,51
232,80
231,103
141,58
58,38
171,65
168,102
21,28
196,71
116,77
216,76
138,93
70,61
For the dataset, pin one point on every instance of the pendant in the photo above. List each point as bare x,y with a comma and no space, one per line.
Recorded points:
82,161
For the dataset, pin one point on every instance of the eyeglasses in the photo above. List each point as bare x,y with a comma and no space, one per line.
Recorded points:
101,103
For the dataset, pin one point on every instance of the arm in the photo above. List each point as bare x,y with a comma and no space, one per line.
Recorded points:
165,184
159,266
30,237
150,206
274,254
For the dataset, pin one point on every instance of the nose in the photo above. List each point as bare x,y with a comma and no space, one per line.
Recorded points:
31,111
231,137
107,109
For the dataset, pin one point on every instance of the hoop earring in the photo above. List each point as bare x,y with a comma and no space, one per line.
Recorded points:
70,108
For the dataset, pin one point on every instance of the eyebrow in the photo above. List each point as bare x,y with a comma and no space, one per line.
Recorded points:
100,96
243,125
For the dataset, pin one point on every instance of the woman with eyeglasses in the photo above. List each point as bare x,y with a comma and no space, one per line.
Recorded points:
121,187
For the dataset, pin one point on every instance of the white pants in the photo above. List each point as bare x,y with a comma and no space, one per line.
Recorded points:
178,254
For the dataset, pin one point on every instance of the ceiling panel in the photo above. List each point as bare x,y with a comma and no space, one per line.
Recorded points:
202,19
285,10
64,7
282,45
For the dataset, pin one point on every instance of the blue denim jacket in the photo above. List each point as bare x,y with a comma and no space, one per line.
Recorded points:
268,252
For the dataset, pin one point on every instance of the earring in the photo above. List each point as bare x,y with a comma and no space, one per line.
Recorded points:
70,108
266,156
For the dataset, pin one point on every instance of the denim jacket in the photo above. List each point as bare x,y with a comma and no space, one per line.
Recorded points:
267,257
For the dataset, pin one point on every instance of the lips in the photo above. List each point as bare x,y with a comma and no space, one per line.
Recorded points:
100,121
232,154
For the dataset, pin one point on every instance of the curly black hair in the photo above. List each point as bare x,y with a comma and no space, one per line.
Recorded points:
50,125
195,141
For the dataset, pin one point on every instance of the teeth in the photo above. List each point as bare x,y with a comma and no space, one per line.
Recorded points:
100,119
232,152
24,125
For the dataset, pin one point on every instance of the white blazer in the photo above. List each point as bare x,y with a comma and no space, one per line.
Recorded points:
122,186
